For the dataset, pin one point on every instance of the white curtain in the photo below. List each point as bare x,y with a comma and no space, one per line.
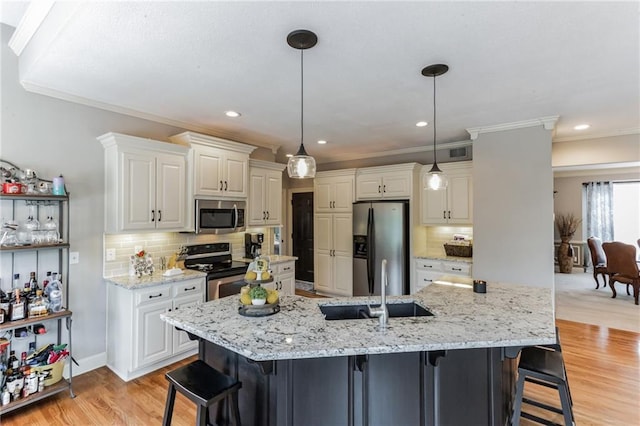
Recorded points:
599,213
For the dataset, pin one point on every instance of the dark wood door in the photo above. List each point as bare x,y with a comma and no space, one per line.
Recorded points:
302,211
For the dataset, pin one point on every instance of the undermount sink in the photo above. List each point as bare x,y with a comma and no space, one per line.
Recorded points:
396,310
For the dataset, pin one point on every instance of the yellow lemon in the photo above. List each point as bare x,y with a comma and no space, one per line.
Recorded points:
266,275
245,289
272,297
245,299
251,275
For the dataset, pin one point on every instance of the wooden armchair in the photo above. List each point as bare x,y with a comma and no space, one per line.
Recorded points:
598,260
622,266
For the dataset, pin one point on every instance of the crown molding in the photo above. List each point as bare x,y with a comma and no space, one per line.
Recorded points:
597,169
548,123
65,96
621,132
29,24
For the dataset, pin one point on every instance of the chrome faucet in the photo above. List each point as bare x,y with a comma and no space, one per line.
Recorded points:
382,312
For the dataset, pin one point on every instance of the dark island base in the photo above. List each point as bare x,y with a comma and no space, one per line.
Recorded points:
457,387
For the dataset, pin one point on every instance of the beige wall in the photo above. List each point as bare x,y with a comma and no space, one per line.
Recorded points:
615,149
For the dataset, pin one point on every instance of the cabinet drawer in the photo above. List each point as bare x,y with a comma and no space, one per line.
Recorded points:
283,268
459,268
153,295
429,264
187,288
425,278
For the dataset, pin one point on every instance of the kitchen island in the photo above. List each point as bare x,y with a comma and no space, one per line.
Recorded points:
455,367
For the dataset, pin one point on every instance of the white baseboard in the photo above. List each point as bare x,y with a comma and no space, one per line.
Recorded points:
86,364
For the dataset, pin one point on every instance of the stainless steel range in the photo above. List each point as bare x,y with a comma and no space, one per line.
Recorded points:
225,276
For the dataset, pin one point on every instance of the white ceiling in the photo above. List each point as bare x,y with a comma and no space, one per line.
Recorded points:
185,63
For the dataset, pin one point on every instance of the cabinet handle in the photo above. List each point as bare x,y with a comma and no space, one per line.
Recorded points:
151,296
264,215
153,215
444,214
427,281
379,189
287,268
456,269
220,185
159,215
268,215
225,185
427,266
449,214
189,289
384,188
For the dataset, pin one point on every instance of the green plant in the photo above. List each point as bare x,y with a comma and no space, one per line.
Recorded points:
258,293
567,224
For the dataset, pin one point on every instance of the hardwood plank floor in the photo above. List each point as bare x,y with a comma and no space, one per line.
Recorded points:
603,366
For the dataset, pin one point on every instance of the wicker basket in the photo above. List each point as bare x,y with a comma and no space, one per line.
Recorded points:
54,372
458,250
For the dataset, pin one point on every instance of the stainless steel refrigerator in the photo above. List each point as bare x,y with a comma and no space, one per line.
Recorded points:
380,231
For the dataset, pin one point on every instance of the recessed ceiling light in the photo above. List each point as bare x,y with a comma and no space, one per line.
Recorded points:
581,127
322,142
232,114
421,124
289,155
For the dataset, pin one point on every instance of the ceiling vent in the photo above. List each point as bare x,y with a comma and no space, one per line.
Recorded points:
458,152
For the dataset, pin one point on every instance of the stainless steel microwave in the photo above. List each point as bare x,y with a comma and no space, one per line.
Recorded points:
220,216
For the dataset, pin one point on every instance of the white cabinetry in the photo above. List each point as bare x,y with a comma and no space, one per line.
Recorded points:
138,340
284,277
220,167
393,182
453,205
145,184
265,193
333,191
428,270
333,248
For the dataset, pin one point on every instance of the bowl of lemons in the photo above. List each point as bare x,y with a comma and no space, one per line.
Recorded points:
257,301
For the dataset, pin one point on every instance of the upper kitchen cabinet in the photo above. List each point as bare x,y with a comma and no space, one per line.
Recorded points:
392,182
145,184
220,167
265,193
453,205
333,191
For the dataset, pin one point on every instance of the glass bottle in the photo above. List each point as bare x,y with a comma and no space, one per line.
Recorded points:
16,281
33,282
17,308
37,307
47,280
14,363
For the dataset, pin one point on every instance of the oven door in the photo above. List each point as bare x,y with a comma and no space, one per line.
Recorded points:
223,287
219,217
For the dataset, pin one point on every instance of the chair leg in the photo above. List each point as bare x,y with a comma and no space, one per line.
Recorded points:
202,416
168,408
517,405
628,294
595,277
567,411
612,287
235,409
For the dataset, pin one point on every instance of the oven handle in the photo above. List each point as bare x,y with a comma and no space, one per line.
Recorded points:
235,210
213,285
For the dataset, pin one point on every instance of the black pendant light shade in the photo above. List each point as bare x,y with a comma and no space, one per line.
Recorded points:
301,165
435,180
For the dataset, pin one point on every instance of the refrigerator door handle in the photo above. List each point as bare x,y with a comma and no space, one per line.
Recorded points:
371,256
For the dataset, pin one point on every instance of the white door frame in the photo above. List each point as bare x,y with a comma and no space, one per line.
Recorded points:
289,241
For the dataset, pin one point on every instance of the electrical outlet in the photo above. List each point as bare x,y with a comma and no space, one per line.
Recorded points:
111,255
74,257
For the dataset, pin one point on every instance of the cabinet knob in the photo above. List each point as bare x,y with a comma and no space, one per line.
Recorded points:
268,215
264,215
384,188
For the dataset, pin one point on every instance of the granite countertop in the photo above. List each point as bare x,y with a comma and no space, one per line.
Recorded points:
273,258
507,315
133,282
444,257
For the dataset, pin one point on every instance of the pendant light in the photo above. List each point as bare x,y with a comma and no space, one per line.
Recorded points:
435,180
301,165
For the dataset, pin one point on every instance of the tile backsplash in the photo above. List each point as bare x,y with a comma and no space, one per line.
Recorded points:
166,244
436,236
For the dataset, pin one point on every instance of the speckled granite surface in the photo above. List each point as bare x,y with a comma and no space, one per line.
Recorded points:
507,315
133,282
444,257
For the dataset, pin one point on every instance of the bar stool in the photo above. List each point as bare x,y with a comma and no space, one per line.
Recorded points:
204,385
542,365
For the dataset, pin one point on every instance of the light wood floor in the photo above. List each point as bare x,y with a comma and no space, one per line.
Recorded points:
603,366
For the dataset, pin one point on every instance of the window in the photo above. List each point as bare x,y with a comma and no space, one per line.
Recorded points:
626,212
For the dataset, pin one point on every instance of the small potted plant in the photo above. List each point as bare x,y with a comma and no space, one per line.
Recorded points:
258,295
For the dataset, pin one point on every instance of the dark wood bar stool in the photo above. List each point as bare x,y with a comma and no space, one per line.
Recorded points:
542,365
205,386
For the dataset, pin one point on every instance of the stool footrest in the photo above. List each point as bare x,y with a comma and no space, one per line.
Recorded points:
537,419
541,382
542,405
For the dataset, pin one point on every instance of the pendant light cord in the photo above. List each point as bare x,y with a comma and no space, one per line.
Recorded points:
435,162
302,97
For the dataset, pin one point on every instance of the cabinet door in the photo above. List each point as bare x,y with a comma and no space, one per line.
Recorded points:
235,174
257,185
287,284
153,337
323,195
273,198
343,275
138,191
425,278
459,199
434,206
181,341
208,171
323,243
343,198
396,185
171,203
368,186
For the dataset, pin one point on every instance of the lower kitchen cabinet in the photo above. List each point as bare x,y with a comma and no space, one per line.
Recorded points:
138,341
284,276
428,270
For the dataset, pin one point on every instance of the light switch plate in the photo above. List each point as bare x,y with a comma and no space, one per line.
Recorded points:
74,257
111,255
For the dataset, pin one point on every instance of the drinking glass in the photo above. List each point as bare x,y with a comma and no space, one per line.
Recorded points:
50,227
